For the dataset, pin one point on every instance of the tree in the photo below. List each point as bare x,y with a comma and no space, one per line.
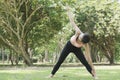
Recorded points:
56,19
28,22
102,21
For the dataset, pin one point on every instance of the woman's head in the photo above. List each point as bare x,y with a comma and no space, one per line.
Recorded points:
84,38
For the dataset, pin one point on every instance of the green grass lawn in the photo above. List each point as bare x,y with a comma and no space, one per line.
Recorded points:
64,73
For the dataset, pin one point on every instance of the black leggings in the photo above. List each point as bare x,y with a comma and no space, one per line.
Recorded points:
77,51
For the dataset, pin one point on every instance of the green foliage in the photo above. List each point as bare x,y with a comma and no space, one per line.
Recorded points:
34,21
41,22
117,52
57,42
29,23
50,24
101,19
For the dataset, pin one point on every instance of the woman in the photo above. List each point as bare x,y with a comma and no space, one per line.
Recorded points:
78,40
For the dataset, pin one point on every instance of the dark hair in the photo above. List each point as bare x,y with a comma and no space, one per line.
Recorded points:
86,38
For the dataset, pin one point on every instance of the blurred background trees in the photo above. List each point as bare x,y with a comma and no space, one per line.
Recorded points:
36,30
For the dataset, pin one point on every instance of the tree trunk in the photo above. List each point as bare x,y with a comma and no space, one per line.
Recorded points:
23,47
111,61
94,53
46,56
3,54
11,58
27,59
8,58
30,51
16,59
110,56
55,57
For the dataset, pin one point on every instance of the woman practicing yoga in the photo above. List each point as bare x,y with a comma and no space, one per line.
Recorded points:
74,45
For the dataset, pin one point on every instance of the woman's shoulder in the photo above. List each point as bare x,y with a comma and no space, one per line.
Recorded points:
73,38
74,41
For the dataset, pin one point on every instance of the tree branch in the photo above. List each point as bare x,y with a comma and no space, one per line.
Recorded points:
7,42
28,19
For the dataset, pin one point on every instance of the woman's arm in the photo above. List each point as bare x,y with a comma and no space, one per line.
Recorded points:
71,18
88,58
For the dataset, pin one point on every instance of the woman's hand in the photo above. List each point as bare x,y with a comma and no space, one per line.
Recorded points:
93,72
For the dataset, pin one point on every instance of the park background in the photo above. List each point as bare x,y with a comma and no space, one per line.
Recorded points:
33,33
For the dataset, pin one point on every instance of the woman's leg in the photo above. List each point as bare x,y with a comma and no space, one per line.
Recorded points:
79,54
62,57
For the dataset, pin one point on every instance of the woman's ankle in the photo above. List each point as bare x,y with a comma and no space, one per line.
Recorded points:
51,75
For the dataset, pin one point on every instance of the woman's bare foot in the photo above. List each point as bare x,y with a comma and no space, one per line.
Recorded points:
95,78
50,76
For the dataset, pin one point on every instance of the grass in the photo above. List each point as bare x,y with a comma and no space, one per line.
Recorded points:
64,73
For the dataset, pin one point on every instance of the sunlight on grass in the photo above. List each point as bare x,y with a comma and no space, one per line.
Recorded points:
64,73
19,71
